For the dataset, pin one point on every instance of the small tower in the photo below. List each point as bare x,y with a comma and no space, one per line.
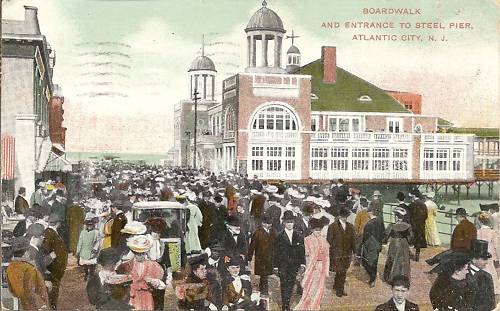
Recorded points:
264,28
292,56
202,76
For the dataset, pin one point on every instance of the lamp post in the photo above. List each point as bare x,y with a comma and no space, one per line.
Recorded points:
195,97
188,134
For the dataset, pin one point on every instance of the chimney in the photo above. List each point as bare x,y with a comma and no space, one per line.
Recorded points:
31,18
329,60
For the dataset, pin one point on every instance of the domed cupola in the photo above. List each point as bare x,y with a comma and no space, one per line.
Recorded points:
264,28
202,76
292,56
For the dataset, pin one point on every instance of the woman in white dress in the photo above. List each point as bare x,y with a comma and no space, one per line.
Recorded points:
489,235
431,230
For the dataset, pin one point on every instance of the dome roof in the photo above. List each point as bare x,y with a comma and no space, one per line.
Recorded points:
293,49
202,63
265,19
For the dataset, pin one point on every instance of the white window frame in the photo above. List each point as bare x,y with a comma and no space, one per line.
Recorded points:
399,121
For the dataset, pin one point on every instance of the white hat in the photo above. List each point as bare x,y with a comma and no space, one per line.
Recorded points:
297,195
376,192
191,196
140,243
254,191
134,227
430,194
272,189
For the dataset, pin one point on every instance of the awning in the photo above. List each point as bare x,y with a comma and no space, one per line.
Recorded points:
8,157
59,148
57,163
43,150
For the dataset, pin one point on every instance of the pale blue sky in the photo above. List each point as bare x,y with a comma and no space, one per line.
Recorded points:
458,78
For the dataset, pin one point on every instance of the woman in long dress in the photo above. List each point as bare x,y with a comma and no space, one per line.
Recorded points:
317,267
489,235
431,231
399,236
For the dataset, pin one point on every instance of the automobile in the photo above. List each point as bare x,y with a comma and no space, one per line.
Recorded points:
175,215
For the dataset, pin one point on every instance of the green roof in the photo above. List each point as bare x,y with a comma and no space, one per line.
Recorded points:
444,123
480,132
344,94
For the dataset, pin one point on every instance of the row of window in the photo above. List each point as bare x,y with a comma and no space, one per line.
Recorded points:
358,152
359,165
273,151
273,165
442,159
275,118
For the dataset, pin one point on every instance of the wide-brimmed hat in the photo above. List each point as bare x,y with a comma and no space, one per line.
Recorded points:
376,193
272,189
266,219
120,280
134,227
198,259
233,221
288,216
139,243
430,194
233,261
108,256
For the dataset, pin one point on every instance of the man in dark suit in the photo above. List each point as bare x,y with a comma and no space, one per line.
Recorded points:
262,246
342,246
482,282
461,240
119,222
373,236
53,242
35,234
401,198
219,216
21,205
207,209
274,211
418,211
340,191
288,258
400,292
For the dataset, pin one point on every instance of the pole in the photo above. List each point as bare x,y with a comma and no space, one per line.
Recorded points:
195,123
188,134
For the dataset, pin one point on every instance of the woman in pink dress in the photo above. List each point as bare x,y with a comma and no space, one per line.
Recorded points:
489,235
317,267
146,274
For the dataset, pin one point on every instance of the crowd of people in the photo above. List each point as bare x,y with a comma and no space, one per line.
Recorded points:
238,230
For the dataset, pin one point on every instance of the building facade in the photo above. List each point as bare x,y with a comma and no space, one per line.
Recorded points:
27,96
320,121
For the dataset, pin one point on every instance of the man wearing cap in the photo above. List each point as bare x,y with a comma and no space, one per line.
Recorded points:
288,258
35,234
25,281
53,242
88,246
482,281
261,246
342,247
418,217
119,222
21,204
38,196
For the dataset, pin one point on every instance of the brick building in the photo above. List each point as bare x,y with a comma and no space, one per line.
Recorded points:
318,120
410,101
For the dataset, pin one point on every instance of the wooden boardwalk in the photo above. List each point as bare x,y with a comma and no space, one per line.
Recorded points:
360,296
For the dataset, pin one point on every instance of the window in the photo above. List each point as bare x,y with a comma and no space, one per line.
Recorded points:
394,125
257,151
289,165
314,124
381,163
365,98
230,119
257,165
319,162
418,128
275,118
340,161
274,165
456,162
344,125
380,152
441,159
362,163
428,159
290,152
274,151
332,124
355,125
289,59
400,162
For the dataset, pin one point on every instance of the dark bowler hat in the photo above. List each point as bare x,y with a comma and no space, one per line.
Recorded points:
344,212
233,261
108,256
218,198
479,249
461,211
288,216
316,223
450,262
233,221
198,259
266,219
400,196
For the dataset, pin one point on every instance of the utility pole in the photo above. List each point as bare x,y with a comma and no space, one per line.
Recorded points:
188,134
195,94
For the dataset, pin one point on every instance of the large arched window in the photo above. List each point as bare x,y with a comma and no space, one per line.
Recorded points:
230,119
275,118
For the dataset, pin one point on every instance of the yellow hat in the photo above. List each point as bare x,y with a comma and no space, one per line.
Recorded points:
139,243
50,187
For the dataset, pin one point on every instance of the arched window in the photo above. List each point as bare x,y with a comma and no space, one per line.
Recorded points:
230,119
275,118
418,128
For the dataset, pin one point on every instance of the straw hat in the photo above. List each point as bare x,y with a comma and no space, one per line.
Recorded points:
134,227
139,243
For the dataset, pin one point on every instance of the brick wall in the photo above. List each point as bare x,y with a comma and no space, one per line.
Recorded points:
410,101
378,123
